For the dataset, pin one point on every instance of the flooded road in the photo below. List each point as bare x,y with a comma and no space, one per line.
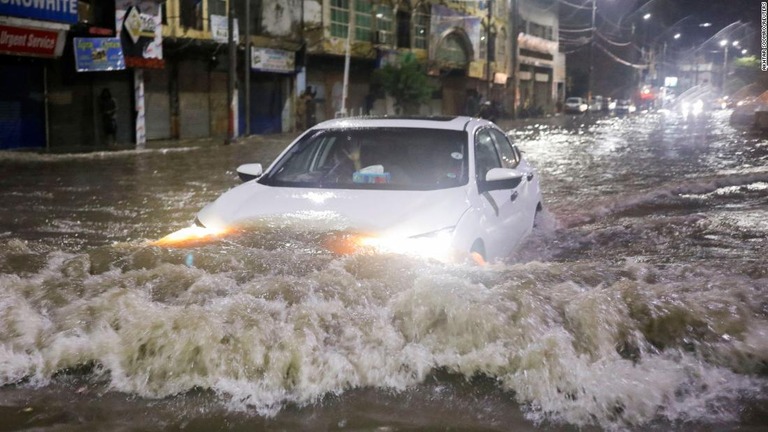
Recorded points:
640,303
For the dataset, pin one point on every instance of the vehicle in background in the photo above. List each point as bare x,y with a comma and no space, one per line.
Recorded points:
597,104
575,105
624,107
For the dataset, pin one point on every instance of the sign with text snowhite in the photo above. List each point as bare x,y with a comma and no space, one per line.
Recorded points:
45,10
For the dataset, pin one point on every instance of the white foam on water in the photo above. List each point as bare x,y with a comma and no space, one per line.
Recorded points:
626,347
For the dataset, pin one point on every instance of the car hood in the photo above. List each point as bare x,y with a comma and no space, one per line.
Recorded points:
398,212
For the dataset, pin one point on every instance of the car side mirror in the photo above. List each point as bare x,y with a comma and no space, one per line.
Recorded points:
251,171
501,178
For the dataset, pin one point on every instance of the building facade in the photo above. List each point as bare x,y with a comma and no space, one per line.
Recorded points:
167,65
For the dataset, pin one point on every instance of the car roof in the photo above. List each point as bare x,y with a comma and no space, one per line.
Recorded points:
458,123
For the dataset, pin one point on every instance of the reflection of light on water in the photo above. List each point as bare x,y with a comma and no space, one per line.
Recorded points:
729,190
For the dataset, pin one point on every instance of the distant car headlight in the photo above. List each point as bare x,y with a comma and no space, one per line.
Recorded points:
698,107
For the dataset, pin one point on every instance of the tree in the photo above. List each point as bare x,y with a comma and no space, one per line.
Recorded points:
407,83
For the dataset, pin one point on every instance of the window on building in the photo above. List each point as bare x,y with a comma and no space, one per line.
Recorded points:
191,14
482,53
363,20
501,45
384,24
339,18
97,13
403,27
541,31
421,27
255,13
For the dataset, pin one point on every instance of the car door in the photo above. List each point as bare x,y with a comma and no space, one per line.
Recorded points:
527,191
498,199
521,206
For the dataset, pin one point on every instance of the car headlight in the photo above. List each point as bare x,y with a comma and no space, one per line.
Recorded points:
434,245
194,235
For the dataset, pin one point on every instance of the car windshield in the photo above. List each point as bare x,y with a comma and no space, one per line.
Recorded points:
573,100
374,158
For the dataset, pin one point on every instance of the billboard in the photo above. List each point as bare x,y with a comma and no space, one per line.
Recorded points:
139,27
98,54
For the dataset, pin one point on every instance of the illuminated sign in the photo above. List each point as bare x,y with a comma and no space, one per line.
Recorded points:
33,42
46,10
98,54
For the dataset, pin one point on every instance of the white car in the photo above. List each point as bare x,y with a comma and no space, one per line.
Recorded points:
575,105
449,188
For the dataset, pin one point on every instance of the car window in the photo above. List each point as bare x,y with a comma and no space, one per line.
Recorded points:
374,158
509,158
486,157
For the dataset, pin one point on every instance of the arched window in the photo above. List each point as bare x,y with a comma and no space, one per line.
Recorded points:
453,51
421,27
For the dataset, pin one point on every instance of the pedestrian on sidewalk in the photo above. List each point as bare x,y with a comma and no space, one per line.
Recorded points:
108,108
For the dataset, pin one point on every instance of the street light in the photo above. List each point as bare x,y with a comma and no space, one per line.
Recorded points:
647,16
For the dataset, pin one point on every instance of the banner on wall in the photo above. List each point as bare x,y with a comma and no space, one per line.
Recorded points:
139,26
98,54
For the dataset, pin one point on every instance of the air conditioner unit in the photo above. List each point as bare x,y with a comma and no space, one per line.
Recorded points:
382,38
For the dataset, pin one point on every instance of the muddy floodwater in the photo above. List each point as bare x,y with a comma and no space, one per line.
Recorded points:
639,303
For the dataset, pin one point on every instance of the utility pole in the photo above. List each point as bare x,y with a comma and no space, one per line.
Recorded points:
591,56
247,67
488,48
345,86
515,54
725,69
232,73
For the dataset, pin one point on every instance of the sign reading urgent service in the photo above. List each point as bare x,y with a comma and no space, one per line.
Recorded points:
31,42
45,10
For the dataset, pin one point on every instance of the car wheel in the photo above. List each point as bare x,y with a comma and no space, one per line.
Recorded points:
537,216
477,252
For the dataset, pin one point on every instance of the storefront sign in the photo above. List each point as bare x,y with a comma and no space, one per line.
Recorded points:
98,54
273,60
139,27
46,10
29,41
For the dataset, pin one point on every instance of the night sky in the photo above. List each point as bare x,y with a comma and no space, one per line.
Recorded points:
616,20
